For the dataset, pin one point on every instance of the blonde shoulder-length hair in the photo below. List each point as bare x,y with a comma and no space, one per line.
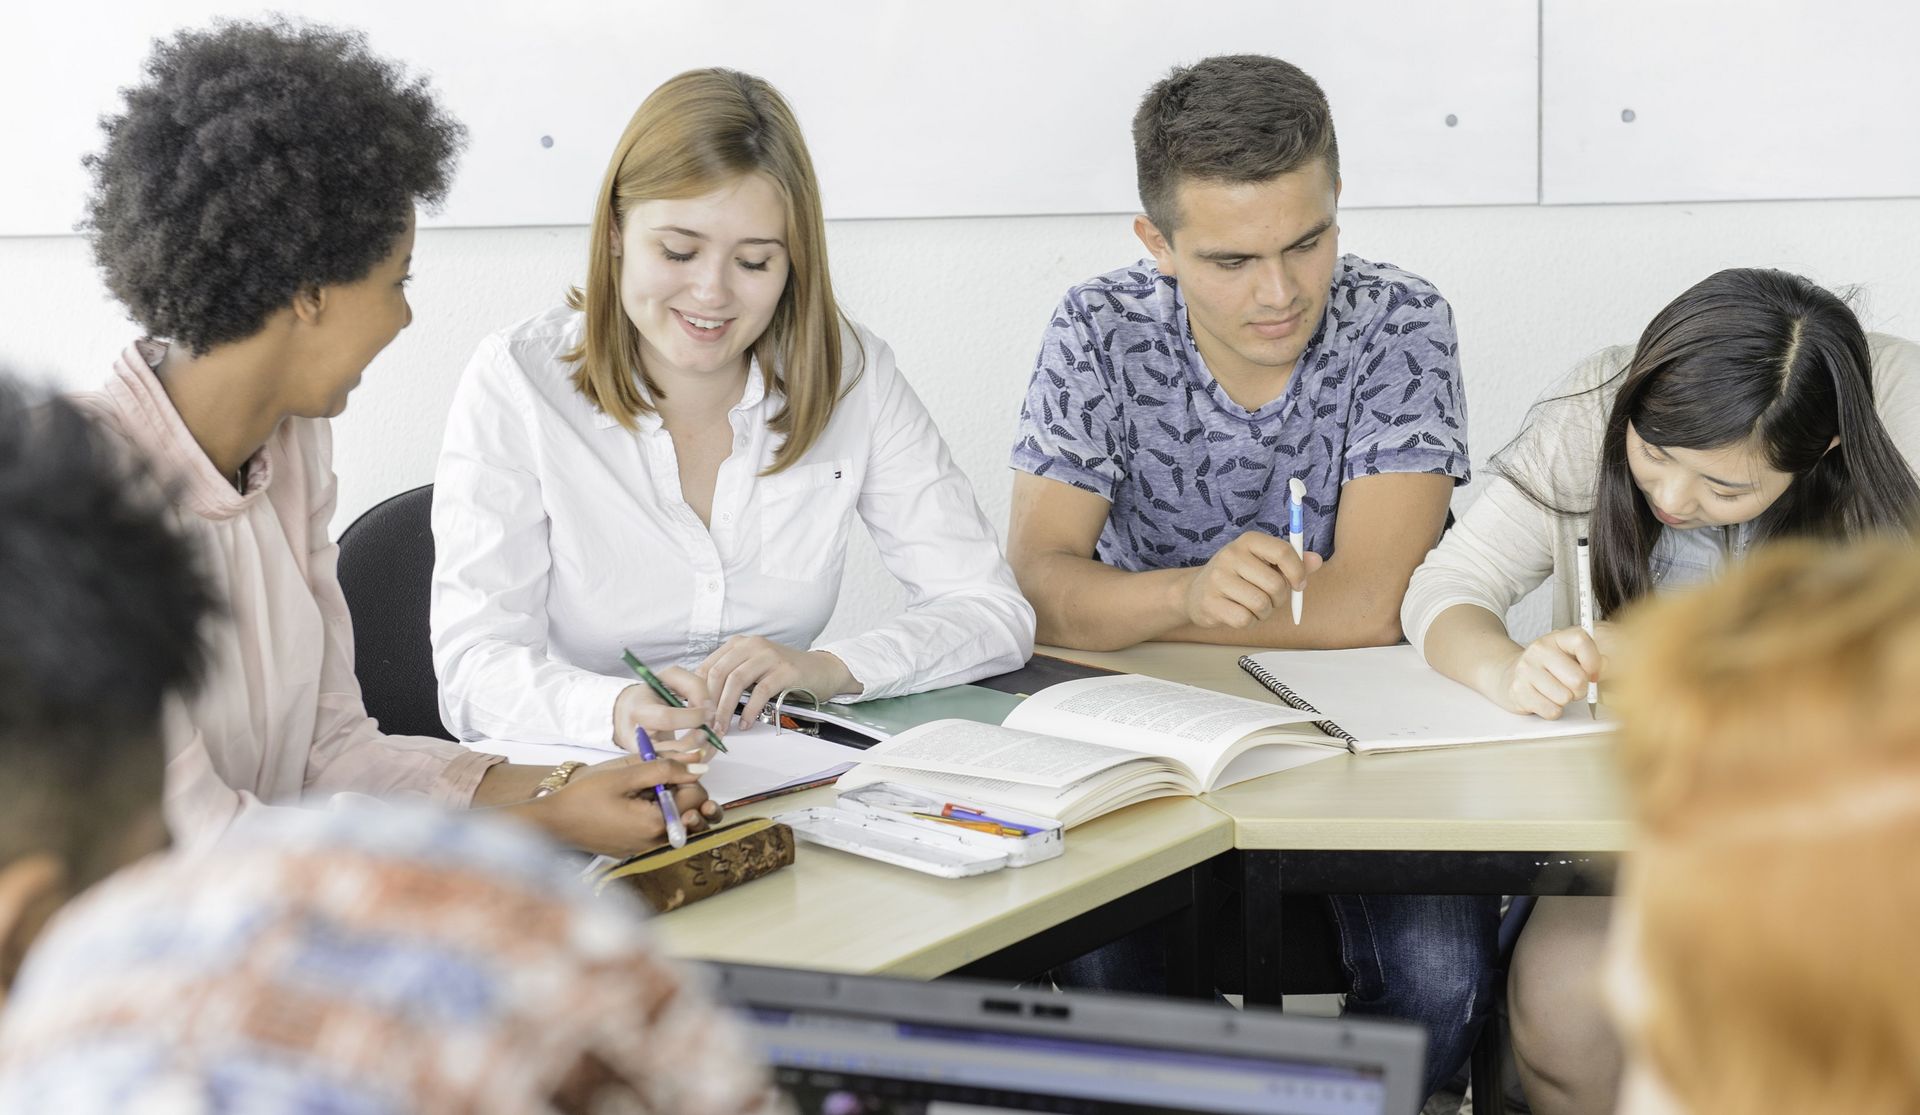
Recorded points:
1771,747
691,136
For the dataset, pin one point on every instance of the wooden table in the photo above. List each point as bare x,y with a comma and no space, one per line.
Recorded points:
1527,818
838,912
1541,817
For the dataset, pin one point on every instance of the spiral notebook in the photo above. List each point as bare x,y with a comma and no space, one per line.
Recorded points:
1389,699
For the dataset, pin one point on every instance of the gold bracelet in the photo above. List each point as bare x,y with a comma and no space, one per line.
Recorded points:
561,775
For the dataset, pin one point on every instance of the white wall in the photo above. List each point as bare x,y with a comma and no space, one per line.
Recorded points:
903,102
963,301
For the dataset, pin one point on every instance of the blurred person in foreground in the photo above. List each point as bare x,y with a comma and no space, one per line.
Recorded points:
1764,956
100,602
381,960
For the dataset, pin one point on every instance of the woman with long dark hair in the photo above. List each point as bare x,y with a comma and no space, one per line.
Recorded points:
1754,407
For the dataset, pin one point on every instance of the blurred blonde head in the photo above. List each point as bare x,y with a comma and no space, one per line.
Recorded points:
694,134
1771,745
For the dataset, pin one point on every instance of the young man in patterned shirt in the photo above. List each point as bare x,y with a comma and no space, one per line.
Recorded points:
1174,399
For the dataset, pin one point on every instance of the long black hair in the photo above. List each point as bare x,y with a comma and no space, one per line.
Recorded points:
1749,356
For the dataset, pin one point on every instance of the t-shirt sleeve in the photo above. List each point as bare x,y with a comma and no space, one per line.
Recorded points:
1409,406
1070,424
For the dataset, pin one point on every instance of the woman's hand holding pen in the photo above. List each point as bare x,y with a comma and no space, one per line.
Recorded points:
1552,672
761,669
639,707
610,808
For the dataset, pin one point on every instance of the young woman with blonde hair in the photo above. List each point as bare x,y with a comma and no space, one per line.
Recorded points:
672,462
1763,956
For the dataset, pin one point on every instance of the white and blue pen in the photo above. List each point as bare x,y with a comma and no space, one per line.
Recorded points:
676,831
1297,530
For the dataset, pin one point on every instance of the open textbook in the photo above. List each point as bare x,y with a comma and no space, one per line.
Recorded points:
1082,748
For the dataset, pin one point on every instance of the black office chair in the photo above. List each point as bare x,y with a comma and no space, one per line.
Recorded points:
386,565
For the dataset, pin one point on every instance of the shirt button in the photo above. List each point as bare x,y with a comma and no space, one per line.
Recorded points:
713,586
726,516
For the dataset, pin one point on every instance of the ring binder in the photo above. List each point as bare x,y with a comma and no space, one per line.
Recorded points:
777,710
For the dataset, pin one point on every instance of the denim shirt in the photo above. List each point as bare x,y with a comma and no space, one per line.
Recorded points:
1695,556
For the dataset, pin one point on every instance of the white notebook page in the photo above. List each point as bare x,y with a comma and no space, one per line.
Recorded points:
1388,698
760,759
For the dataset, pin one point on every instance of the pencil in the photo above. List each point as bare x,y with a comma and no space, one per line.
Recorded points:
988,827
1583,560
661,691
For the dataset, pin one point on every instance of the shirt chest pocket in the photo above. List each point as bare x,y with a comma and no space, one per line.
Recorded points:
805,515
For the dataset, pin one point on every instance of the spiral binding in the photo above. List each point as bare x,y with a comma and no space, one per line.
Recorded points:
1281,690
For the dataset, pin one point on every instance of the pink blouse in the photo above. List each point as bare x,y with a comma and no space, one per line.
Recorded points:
278,719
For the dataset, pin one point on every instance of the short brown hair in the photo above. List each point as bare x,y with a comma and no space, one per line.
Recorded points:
1230,118
1771,745
693,135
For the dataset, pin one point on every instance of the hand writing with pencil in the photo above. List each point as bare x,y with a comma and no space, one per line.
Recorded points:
638,706
612,808
1550,673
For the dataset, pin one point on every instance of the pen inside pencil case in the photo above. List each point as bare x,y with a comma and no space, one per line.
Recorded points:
924,808
910,827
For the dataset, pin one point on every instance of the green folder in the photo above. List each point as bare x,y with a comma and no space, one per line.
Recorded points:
872,721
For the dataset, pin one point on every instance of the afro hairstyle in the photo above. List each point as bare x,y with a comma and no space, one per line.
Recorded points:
255,161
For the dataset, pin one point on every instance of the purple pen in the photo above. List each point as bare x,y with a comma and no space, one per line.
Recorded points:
676,831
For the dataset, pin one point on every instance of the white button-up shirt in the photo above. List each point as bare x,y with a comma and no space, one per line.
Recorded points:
561,537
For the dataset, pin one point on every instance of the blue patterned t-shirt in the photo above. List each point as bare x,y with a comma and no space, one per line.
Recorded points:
1122,405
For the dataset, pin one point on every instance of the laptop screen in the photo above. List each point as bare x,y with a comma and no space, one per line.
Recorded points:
987,1050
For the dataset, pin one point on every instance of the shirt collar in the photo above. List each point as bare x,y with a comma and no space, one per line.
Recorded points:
158,431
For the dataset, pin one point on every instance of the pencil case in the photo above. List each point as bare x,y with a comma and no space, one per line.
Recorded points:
712,861
877,821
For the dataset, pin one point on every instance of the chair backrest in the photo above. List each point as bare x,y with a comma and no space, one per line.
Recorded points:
386,568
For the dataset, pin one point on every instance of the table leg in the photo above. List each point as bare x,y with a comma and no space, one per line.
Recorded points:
1190,939
1260,922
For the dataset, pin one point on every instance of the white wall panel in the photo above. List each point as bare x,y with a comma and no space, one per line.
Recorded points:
1716,100
990,107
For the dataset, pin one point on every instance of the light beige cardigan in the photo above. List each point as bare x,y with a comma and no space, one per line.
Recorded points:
1506,545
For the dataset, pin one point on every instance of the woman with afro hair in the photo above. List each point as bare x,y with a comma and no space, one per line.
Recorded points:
253,207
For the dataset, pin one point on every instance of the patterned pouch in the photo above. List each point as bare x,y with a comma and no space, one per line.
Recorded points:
712,861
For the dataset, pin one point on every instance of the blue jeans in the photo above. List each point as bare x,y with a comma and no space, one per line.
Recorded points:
1427,959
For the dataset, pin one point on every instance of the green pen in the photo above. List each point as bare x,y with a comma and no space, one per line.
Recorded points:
661,691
